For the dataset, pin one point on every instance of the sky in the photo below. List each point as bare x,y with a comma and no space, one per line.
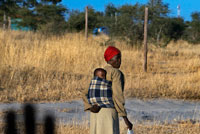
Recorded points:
187,6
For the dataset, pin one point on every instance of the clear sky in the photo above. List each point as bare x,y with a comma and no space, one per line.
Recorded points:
187,6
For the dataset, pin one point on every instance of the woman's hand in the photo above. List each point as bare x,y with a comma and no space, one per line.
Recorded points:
95,108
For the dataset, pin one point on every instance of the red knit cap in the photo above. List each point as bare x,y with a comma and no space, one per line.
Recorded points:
110,53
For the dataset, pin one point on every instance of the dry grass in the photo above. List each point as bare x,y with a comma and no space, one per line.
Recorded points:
186,127
34,68
178,128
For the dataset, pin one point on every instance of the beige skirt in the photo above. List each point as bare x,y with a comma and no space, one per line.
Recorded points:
104,122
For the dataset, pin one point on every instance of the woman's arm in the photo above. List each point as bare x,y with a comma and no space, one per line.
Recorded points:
128,123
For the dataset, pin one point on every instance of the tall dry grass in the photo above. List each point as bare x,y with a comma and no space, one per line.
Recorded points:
36,68
179,128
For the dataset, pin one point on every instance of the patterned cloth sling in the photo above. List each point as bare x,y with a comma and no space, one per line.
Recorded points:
100,93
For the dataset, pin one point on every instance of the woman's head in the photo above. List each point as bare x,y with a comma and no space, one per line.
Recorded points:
112,56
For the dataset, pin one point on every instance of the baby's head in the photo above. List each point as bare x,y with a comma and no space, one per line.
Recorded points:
100,72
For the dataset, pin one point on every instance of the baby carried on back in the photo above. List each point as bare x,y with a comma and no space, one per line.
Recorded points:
100,90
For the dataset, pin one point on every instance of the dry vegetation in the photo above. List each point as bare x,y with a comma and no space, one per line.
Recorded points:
36,68
180,128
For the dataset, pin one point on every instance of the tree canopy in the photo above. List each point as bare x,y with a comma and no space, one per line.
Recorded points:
44,15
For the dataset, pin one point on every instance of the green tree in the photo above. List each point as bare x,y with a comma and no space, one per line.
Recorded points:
110,10
192,32
125,22
52,1
28,15
158,12
76,21
9,8
51,18
46,16
110,18
175,28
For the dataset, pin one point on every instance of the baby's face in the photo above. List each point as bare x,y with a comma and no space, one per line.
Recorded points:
101,74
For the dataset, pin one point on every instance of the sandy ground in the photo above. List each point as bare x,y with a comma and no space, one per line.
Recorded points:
139,111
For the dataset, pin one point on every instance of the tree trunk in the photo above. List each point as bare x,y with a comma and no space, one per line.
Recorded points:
4,21
9,22
158,37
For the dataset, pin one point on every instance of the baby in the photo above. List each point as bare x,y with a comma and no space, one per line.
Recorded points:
100,72
94,89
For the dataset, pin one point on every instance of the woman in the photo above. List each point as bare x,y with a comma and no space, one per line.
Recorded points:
105,120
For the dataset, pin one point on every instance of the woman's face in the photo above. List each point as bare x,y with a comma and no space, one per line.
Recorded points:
116,62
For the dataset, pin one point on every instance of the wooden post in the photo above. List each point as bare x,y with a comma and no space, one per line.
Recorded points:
86,22
145,39
4,21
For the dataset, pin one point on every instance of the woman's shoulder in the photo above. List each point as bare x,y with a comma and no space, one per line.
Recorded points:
111,70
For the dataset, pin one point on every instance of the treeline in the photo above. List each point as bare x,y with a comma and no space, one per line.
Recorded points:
124,22
47,16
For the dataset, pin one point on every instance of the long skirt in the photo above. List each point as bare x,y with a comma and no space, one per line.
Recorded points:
106,121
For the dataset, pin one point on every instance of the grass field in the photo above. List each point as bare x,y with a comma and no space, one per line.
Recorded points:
34,68
180,128
183,128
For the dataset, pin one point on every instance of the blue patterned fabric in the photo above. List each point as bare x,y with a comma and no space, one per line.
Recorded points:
100,93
